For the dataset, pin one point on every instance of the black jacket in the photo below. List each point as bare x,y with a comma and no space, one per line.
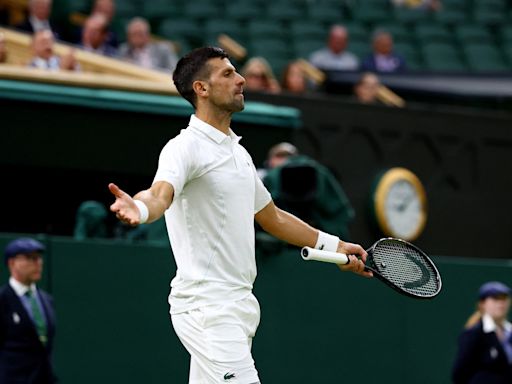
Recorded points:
23,358
481,359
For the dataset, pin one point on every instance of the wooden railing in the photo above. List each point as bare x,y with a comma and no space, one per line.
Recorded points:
96,70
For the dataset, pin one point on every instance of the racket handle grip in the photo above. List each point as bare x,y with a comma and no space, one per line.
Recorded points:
309,253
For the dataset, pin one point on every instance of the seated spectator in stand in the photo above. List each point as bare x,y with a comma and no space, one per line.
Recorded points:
95,34
3,49
294,80
383,59
335,57
38,18
43,56
366,89
430,5
141,51
108,9
259,76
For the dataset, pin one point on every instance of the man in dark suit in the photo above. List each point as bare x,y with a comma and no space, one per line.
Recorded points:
27,321
383,59
38,18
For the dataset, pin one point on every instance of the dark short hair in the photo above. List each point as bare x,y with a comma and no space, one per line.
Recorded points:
192,67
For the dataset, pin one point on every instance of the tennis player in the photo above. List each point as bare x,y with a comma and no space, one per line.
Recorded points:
207,186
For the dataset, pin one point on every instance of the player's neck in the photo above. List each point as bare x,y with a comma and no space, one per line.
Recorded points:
220,120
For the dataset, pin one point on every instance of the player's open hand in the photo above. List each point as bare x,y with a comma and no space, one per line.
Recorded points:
124,207
357,256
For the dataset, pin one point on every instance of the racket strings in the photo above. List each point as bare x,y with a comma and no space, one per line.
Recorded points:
406,268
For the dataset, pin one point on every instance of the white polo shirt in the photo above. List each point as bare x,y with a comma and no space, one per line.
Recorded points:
210,222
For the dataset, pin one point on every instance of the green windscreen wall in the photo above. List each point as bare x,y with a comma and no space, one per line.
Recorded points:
318,325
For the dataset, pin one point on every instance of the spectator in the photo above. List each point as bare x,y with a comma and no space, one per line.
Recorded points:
3,49
27,320
38,18
43,56
259,76
294,79
335,57
95,34
430,5
90,221
484,353
367,88
308,189
141,51
277,155
383,60
107,8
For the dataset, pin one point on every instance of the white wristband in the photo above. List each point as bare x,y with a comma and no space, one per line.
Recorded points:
143,211
327,242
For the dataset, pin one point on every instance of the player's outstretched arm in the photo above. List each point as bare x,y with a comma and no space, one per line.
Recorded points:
293,230
155,199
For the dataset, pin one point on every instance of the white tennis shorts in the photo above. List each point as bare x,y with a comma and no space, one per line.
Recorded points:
219,340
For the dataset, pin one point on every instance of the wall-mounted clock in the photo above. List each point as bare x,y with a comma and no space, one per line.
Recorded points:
400,204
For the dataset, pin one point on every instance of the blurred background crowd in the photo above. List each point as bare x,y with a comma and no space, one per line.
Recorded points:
279,45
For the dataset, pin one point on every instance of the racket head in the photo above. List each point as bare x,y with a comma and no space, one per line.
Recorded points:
404,267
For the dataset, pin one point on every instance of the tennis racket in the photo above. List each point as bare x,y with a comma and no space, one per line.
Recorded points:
398,263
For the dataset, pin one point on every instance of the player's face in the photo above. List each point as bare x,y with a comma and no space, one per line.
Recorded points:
225,86
28,268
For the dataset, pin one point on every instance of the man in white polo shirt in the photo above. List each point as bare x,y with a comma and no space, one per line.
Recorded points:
208,188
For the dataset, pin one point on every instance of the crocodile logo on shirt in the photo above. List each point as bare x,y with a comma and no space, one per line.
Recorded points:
229,376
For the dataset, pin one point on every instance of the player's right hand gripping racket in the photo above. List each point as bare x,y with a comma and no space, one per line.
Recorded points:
398,263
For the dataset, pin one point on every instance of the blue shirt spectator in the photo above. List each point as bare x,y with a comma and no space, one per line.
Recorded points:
383,59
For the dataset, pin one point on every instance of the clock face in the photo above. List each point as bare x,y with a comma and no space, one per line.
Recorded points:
403,209
400,204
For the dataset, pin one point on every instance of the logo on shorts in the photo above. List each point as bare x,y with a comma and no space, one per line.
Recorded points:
229,376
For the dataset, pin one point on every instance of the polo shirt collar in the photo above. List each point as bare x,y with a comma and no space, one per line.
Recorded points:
489,325
20,288
210,131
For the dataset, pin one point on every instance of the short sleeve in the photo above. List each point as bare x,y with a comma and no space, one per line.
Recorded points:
175,165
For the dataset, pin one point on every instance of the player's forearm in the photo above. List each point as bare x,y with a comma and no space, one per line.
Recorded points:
156,206
291,229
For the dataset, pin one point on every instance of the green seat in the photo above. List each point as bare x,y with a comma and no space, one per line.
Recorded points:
327,13
410,53
432,33
471,33
128,8
411,16
399,32
155,10
285,11
505,34
372,11
306,29
489,12
357,32
265,28
181,29
485,58
215,27
452,12
360,49
201,9
442,57
270,47
244,10
507,51
305,47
